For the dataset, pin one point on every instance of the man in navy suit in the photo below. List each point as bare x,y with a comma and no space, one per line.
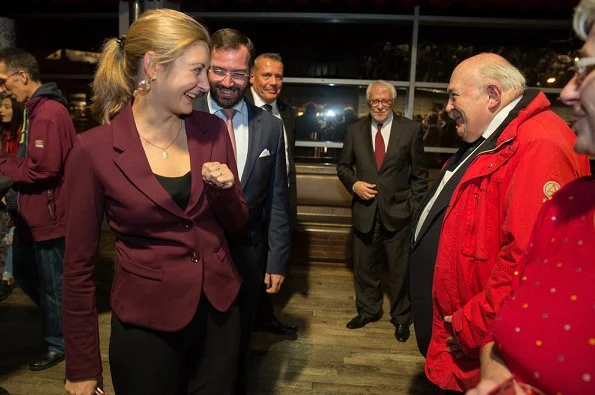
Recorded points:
266,79
257,138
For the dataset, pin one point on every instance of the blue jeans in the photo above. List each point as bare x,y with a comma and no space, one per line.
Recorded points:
38,271
8,265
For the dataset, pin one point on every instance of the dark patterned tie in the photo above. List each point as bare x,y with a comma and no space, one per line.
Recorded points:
379,142
268,107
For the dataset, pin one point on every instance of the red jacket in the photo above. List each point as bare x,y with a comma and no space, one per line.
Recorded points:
166,257
39,175
486,231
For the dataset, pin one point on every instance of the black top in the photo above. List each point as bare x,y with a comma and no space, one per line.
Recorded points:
178,187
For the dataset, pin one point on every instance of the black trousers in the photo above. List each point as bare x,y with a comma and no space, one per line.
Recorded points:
201,358
248,301
368,270
264,307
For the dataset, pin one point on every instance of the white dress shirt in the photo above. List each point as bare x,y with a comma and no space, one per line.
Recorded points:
488,131
240,128
258,102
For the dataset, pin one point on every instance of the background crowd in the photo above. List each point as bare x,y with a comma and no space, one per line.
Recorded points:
193,169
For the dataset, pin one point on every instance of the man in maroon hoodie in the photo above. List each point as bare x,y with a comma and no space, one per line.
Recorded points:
38,174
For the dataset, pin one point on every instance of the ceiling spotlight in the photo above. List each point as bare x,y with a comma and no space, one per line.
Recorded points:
551,80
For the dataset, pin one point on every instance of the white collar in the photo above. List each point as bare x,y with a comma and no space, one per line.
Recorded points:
258,102
387,121
499,118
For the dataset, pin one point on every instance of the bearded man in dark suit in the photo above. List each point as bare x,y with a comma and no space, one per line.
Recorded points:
261,250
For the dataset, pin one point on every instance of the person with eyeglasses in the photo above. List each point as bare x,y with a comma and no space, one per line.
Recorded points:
543,339
382,164
261,250
474,223
37,170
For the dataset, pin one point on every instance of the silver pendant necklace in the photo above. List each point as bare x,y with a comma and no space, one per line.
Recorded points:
164,153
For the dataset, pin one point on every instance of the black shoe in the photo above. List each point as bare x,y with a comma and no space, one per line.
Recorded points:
46,361
277,327
359,322
402,333
5,290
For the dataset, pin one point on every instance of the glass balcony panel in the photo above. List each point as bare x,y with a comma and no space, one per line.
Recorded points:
544,63
323,114
332,50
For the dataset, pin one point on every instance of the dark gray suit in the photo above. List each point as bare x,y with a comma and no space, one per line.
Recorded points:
383,223
288,117
264,183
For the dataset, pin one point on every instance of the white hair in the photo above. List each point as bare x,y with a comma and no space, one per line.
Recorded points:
583,17
387,85
504,73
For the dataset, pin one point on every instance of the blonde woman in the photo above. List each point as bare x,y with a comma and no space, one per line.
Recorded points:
160,173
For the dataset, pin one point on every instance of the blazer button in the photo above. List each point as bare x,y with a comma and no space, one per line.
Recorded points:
440,318
194,258
187,225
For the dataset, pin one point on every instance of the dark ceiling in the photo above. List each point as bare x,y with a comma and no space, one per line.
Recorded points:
548,9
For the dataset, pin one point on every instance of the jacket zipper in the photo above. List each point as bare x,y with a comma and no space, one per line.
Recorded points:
481,153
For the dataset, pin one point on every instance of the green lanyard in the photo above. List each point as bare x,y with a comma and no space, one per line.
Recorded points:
25,127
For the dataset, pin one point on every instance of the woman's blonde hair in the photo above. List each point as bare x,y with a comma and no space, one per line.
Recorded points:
164,31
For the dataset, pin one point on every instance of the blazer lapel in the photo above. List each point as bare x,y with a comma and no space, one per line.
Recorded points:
366,132
393,142
254,138
200,149
133,162
436,209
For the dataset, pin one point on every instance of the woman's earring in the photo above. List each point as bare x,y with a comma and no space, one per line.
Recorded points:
143,86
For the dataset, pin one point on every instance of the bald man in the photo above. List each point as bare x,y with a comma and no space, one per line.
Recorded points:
475,221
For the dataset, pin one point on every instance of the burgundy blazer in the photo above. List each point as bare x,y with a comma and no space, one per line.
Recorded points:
165,257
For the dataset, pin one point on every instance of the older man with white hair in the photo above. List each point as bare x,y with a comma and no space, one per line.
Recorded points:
475,221
383,165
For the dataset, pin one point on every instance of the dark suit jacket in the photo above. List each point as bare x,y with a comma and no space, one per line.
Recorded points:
401,181
166,257
264,182
288,117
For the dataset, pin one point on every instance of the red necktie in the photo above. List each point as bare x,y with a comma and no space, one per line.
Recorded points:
379,143
229,114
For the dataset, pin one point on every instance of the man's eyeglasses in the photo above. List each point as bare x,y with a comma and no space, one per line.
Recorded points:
583,66
3,80
239,76
383,102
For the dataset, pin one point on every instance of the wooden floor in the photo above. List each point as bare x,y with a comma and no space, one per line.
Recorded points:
324,358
